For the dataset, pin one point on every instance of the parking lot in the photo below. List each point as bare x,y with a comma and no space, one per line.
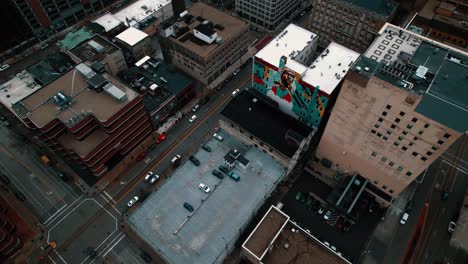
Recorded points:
309,209
219,216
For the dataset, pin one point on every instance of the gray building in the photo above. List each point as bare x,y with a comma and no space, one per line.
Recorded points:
352,23
269,14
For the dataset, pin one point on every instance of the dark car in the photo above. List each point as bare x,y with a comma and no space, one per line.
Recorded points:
189,207
204,100
445,195
340,224
147,258
207,148
4,179
63,176
223,169
346,226
218,174
194,160
20,196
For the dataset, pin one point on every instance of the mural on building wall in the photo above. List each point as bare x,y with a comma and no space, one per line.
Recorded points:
284,87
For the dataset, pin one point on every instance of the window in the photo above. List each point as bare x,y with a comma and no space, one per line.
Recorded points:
421,132
384,159
385,137
404,148
384,113
414,154
423,158
416,138
414,120
389,132
385,187
402,113
409,173
397,120
380,119
411,143
388,107
429,153
409,126
393,126
446,135
426,125
396,143
379,134
373,131
440,142
374,153
391,191
377,125
405,132
376,182
391,163
400,168
434,148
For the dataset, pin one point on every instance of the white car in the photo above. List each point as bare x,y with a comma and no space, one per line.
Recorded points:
451,226
327,215
154,179
148,176
404,218
320,211
218,137
132,201
204,188
236,72
193,118
195,108
4,67
236,91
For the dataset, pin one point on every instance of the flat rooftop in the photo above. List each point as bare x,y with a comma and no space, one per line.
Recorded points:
20,86
108,21
83,147
289,243
427,68
264,121
202,236
131,36
40,108
140,10
326,72
74,38
95,49
230,27
380,7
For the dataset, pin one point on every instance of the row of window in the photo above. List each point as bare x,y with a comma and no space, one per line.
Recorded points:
385,187
391,164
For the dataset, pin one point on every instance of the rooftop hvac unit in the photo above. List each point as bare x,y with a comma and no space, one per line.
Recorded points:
86,71
96,46
115,92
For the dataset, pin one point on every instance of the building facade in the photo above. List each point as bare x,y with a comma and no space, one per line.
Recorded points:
352,23
268,15
205,42
135,43
46,17
400,107
285,70
91,119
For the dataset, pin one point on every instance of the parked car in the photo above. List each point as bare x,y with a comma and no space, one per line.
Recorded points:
204,188
235,92
346,226
193,118
188,206
62,176
195,108
404,218
234,176
321,210
206,147
176,160
236,72
315,206
218,137
327,215
4,67
132,201
5,179
147,258
451,227
154,179
298,196
218,174
340,224
148,176
20,196
5,121
161,138
194,160
445,195
223,169
309,202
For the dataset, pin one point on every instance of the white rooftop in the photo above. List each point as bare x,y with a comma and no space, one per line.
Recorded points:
108,21
140,10
292,38
132,36
330,67
18,88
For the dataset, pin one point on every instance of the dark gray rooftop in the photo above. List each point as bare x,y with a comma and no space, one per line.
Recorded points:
264,121
220,216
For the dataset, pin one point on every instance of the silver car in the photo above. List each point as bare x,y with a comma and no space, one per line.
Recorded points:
132,201
218,137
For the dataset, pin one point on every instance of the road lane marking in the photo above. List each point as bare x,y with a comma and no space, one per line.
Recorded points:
52,260
108,195
458,167
67,208
453,156
60,256
114,245
52,216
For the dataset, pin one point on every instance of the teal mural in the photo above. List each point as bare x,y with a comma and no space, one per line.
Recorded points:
284,86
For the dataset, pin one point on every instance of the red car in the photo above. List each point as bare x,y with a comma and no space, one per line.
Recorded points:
161,138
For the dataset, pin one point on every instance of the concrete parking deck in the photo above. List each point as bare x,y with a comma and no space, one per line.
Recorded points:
220,216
